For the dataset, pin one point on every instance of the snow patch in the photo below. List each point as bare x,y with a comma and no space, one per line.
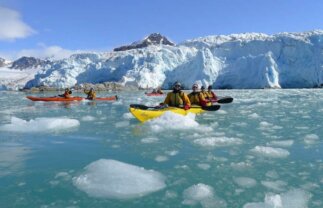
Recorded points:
117,180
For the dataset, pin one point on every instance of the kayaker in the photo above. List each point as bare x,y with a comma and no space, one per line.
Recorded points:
211,95
159,91
91,95
177,98
67,93
203,92
196,97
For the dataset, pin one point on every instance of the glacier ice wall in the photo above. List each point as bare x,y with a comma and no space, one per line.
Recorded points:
251,60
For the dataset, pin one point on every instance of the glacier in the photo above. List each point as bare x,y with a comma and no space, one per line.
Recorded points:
236,61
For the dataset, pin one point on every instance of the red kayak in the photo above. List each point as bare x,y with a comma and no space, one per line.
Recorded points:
62,99
154,94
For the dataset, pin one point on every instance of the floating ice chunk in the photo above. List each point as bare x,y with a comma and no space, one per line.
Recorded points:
170,194
149,140
269,152
88,118
272,174
282,143
274,185
217,141
295,198
203,194
172,152
203,166
12,158
254,116
40,124
311,139
122,124
221,112
245,182
174,121
113,179
161,158
127,116
241,165
63,175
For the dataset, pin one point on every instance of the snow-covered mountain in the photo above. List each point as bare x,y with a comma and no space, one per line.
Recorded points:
152,39
251,60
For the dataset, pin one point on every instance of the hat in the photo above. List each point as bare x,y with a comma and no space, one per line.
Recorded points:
202,88
177,84
210,87
195,86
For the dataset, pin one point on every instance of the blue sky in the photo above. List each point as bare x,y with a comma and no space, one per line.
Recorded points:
104,24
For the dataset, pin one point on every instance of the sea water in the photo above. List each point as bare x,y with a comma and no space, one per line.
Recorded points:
262,150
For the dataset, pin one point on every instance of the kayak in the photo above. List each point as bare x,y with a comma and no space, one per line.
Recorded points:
62,99
145,115
105,98
55,99
154,94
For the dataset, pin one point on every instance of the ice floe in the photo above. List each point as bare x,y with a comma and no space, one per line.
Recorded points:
106,178
295,198
245,182
274,185
88,118
311,139
149,140
161,158
281,143
218,141
174,121
269,152
40,124
202,194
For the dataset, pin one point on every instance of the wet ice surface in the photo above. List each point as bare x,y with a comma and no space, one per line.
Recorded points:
263,150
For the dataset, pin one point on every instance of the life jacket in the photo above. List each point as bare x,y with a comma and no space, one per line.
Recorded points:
194,98
67,94
205,94
91,95
211,96
176,99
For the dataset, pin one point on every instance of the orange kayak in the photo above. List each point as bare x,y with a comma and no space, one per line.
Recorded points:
62,99
154,94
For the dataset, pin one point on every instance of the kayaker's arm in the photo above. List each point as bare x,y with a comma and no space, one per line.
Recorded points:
187,102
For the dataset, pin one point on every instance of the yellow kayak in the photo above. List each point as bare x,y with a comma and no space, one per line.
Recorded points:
147,114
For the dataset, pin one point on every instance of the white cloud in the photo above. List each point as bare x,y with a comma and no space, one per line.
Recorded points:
43,51
11,25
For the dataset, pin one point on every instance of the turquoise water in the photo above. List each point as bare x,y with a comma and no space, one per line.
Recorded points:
263,150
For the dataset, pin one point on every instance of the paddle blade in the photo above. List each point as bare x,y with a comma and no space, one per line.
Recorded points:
138,106
225,100
211,108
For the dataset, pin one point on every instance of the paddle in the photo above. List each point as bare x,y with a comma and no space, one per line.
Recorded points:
206,108
224,100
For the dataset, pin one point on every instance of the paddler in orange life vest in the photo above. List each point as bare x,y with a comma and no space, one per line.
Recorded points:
177,98
197,98
203,92
91,95
67,93
211,95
